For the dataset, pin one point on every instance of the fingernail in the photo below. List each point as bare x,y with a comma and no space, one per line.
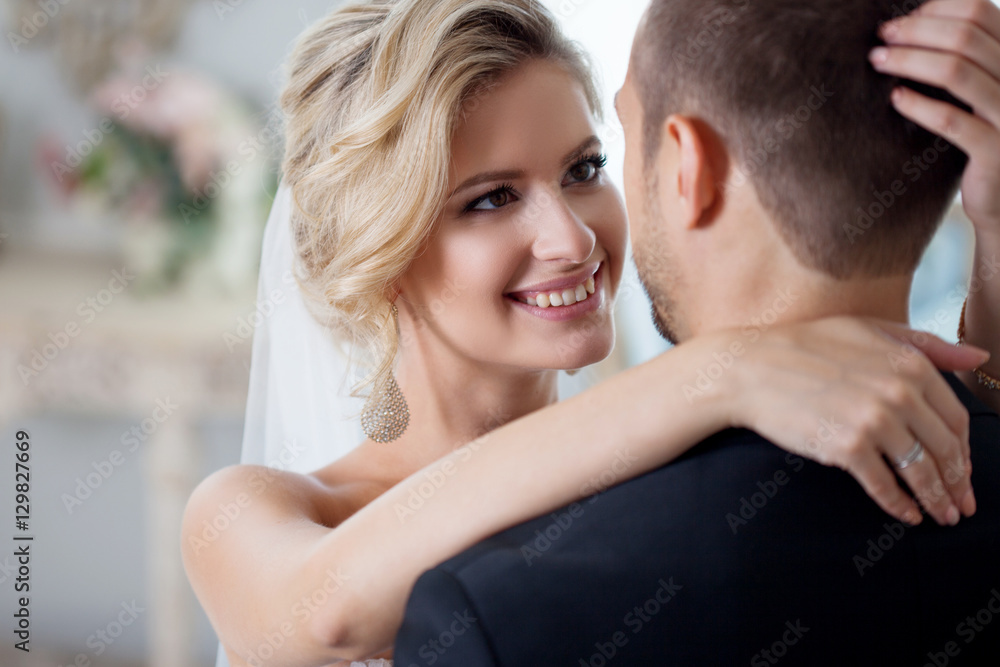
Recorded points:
879,55
969,504
982,356
952,516
889,29
912,517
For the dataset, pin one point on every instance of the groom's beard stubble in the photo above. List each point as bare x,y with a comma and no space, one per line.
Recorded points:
661,309
657,271
658,274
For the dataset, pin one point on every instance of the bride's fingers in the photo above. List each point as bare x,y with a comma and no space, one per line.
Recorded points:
944,403
888,422
979,139
924,479
919,368
942,479
962,78
946,34
982,13
906,344
877,480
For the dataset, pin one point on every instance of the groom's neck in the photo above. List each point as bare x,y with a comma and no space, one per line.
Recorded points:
800,296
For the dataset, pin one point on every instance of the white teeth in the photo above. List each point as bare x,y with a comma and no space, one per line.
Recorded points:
566,297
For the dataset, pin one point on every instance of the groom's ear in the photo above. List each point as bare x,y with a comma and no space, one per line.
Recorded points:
698,165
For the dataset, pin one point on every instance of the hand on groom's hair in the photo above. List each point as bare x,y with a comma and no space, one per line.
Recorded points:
953,46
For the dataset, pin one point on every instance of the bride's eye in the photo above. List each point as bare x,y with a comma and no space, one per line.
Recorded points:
493,200
586,170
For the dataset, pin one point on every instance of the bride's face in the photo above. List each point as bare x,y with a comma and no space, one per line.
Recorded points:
531,224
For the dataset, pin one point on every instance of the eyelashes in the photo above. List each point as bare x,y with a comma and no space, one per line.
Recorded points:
501,196
599,160
506,190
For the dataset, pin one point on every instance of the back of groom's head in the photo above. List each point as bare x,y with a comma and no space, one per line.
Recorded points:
854,189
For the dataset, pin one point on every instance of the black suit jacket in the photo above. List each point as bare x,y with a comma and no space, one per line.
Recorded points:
736,554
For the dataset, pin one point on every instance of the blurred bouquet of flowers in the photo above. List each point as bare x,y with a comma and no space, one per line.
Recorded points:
184,170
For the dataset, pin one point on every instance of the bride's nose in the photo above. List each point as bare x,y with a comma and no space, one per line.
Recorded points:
560,234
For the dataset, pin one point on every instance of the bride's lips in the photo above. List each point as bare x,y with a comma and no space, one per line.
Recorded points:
567,313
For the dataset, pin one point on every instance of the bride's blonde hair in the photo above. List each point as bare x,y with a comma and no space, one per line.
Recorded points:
375,91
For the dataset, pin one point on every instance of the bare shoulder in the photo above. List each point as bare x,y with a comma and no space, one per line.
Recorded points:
245,520
255,501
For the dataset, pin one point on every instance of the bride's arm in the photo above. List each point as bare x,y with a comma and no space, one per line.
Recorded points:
274,579
955,45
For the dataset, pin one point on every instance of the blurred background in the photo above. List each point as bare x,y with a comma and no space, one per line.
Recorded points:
139,145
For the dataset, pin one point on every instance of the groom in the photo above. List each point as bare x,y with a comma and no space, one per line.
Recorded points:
754,167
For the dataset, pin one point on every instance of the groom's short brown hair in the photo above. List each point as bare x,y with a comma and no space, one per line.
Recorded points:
855,189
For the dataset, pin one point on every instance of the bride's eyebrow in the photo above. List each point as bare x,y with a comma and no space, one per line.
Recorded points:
514,174
487,177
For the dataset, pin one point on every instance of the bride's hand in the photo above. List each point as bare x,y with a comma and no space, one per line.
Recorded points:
857,394
954,45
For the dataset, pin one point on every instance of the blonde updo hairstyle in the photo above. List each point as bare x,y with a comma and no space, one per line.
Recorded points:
375,92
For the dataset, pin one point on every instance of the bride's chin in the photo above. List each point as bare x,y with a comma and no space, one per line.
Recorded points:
576,353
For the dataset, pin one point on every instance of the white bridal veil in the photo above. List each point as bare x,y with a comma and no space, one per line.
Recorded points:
299,415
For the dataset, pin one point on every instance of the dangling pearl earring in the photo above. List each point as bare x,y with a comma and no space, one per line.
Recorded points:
386,415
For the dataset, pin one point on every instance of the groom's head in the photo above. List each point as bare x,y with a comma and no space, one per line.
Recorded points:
763,154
